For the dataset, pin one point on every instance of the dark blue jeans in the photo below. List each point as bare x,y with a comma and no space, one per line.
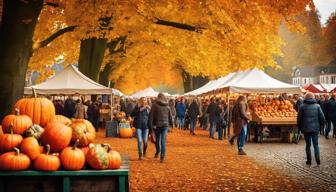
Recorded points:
309,137
212,128
161,135
193,125
142,136
205,122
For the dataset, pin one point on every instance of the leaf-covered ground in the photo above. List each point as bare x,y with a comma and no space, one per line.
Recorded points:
197,163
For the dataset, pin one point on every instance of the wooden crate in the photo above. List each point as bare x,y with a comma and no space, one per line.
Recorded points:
65,181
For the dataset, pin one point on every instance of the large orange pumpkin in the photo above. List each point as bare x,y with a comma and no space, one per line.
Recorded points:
125,133
14,161
31,147
72,158
20,123
62,119
97,157
47,162
83,131
114,158
57,135
40,110
9,140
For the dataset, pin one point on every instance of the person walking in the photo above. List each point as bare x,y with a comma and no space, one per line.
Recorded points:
204,117
69,107
140,115
322,102
240,121
330,115
172,108
212,111
80,110
180,113
309,119
298,102
161,118
193,113
223,121
93,113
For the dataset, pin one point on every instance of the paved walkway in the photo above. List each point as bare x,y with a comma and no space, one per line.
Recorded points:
290,159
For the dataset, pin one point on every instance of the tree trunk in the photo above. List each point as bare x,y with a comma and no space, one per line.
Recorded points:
91,57
16,31
187,81
103,76
199,81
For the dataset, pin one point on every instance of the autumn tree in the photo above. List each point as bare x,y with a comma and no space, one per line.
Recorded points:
330,35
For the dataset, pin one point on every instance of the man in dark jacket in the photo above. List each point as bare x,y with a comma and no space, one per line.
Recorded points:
298,102
93,113
309,119
193,113
213,111
330,115
69,107
161,118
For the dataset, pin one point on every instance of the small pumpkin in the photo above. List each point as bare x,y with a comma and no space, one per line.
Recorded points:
9,140
97,157
114,158
72,158
19,122
31,147
34,131
14,161
62,119
83,131
47,162
40,110
125,133
57,135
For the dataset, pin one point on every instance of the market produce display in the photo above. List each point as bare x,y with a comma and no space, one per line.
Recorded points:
33,137
276,110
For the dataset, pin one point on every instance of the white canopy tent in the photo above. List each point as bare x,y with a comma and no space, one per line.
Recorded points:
148,92
256,81
71,81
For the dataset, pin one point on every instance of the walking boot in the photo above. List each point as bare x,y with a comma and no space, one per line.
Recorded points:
308,163
318,161
241,152
140,156
144,151
156,155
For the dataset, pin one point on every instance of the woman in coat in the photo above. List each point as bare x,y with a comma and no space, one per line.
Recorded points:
309,119
140,115
240,120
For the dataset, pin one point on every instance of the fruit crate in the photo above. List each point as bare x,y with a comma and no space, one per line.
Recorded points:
66,181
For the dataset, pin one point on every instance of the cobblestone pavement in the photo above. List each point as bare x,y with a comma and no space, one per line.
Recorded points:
290,160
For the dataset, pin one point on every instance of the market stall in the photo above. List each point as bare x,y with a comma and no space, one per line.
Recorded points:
279,120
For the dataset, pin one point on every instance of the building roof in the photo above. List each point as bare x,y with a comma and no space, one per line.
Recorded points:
306,71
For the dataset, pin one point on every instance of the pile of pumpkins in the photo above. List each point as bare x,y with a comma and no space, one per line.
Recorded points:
126,132
276,109
35,138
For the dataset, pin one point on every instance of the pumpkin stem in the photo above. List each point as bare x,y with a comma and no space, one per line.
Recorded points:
11,128
75,145
34,92
17,151
108,146
17,111
48,149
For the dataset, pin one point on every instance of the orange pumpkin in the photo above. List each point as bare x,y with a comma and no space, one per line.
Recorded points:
72,158
62,119
125,133
57,135
40,110
47,162
14,161
83,131
85,150
97,157
31,147
114,158
9,140
19,122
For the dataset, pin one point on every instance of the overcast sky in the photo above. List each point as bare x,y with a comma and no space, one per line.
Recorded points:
325,7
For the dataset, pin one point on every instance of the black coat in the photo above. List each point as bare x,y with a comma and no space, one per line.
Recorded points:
193,110
310,116
330,109
160,115
141,117
213,111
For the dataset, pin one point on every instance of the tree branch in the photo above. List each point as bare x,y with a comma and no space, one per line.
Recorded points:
178,25
114,43
53,37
